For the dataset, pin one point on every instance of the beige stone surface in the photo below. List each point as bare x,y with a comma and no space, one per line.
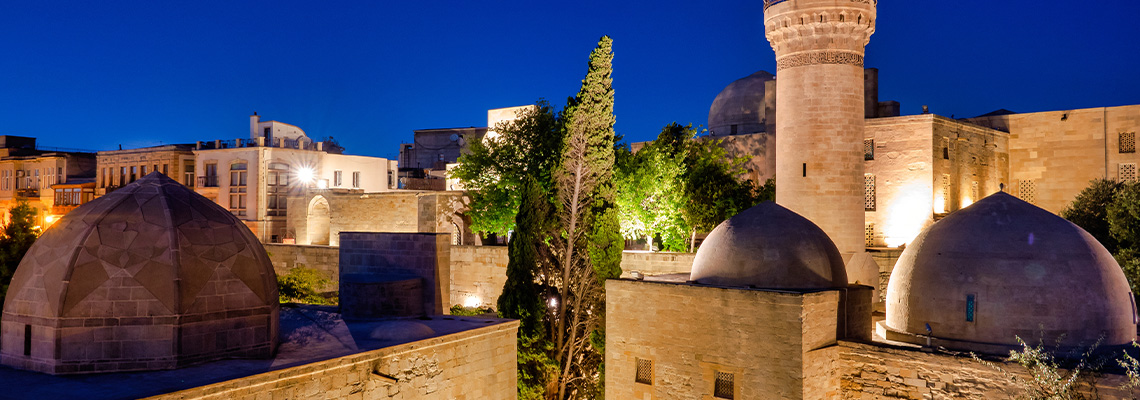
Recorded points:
398,211
474,364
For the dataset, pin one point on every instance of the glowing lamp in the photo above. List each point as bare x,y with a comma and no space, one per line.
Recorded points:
306,175
472,301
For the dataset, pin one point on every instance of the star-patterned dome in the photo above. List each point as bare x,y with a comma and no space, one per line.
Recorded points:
152,271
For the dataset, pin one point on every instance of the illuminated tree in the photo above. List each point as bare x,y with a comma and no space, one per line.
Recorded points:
18,236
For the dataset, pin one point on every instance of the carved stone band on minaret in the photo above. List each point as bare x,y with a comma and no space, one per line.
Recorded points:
819,57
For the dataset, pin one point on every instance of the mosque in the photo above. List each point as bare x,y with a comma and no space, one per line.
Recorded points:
785,286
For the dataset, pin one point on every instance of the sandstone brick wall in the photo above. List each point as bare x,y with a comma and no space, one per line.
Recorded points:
478,273
379,212
691,332
656,263
474,364
1055,154
286,257
881,372
423,255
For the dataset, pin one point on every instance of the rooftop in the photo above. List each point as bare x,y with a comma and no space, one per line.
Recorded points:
308,334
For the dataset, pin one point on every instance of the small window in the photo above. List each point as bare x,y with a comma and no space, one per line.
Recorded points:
869,235
644,371
868,149
723,388
1027,190
970,306
945,148
27,340
1128,142
732,130
805,170
355,179
337,178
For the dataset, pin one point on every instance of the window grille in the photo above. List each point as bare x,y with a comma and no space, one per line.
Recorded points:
974,192
869,192
868,149
1127,172
870,235
946,185
970,307
1128,142
644,371
723,387
1027,189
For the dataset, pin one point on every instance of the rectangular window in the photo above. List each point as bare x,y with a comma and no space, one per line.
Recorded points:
1128,142
869,235
805,170
188,174
970,306
868,149
211,175
238,179
134,173
1127,172
355,179
869,192
238,174
277,187
644,371
945,148
143,169
732,130
122,176
724,387
27,340
166,169
336,178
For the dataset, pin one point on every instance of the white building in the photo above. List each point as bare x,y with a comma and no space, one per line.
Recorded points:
252,177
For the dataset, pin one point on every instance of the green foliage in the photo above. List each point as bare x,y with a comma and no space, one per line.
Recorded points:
493,170
1089,210
461,311
1123,216
302,285
1051,377
18,236
679,184
524,293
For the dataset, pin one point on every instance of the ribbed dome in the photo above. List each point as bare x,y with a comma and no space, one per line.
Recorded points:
741,103
769,247
152,257
1026,272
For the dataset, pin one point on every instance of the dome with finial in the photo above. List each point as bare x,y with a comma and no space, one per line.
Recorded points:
769,247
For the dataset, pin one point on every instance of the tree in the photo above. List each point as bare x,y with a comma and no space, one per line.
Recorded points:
680,184
493,170
18,236
1089,210
589,246
1123,217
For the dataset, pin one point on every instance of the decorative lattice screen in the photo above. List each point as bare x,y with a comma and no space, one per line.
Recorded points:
644,371
869,192
1027,190
723,387
868,149
1127,172
870,235
1128,142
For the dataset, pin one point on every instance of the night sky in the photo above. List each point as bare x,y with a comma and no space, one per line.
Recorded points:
96,75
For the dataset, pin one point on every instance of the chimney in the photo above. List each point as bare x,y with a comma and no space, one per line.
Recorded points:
254,120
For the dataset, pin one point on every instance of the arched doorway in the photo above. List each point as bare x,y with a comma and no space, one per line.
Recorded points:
318,221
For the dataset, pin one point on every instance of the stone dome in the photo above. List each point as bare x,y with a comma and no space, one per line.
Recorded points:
150,276
769,247
1003,268
741,103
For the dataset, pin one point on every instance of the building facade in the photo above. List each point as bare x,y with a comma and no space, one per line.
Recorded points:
117,168
28,172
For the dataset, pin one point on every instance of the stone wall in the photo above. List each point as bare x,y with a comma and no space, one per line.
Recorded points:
353,211
669,324
368,256
1053,155
478,274
876,371
476,271
286,257
473,364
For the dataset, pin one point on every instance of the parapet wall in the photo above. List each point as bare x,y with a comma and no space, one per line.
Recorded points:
476,271
473,364
368,256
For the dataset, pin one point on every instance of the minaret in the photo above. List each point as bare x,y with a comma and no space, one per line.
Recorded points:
819,48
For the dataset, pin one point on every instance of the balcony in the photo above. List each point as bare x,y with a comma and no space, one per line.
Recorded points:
208,181
27,193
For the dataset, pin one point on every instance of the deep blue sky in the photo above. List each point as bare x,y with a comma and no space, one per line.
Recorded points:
95,75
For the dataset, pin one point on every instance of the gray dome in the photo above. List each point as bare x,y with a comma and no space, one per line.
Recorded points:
769,247
741,103
1028,272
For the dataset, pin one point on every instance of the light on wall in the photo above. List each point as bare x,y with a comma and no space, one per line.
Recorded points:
306,175
472,301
